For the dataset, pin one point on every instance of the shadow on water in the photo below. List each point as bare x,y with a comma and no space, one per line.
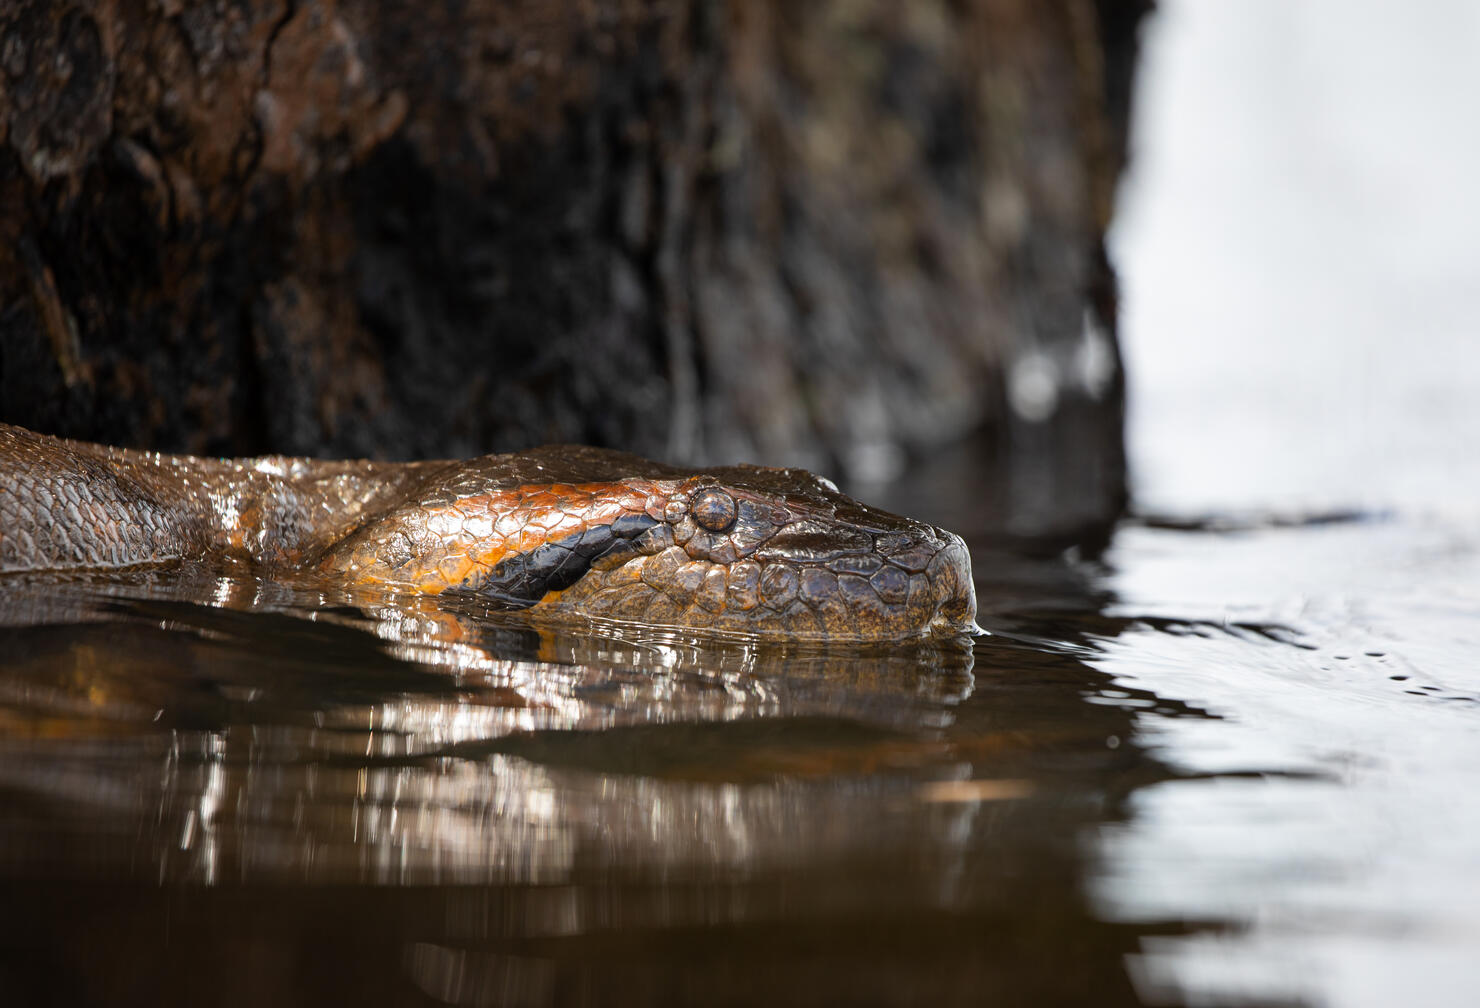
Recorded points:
216,787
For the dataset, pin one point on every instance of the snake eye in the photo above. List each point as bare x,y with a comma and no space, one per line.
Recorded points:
714,510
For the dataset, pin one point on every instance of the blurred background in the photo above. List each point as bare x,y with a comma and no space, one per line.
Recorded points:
1296,254
1296,244
846,235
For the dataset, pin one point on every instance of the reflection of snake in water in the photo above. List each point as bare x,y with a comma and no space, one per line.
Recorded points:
563,529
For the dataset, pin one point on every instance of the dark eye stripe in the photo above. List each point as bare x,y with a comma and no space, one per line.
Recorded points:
630,526
522,580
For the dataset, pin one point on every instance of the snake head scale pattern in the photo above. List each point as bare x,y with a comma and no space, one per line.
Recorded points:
559,530
742,549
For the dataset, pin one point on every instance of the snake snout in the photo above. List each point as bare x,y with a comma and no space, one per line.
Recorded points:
955,591
936,568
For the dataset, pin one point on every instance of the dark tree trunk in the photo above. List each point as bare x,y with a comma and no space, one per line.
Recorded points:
837,233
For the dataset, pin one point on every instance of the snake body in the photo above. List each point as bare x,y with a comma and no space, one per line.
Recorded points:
771,552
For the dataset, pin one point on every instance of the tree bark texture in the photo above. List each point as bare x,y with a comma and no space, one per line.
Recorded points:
838,233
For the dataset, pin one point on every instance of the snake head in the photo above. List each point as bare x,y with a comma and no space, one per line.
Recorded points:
741,549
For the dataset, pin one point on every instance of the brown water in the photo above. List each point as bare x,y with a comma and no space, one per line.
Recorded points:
223,789
214,788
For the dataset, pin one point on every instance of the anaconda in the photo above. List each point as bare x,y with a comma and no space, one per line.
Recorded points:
558,530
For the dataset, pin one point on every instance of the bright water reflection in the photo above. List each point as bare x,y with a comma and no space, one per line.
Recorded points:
1357,869
274,735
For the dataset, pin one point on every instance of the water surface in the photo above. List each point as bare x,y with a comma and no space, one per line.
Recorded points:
1225,755
228,785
